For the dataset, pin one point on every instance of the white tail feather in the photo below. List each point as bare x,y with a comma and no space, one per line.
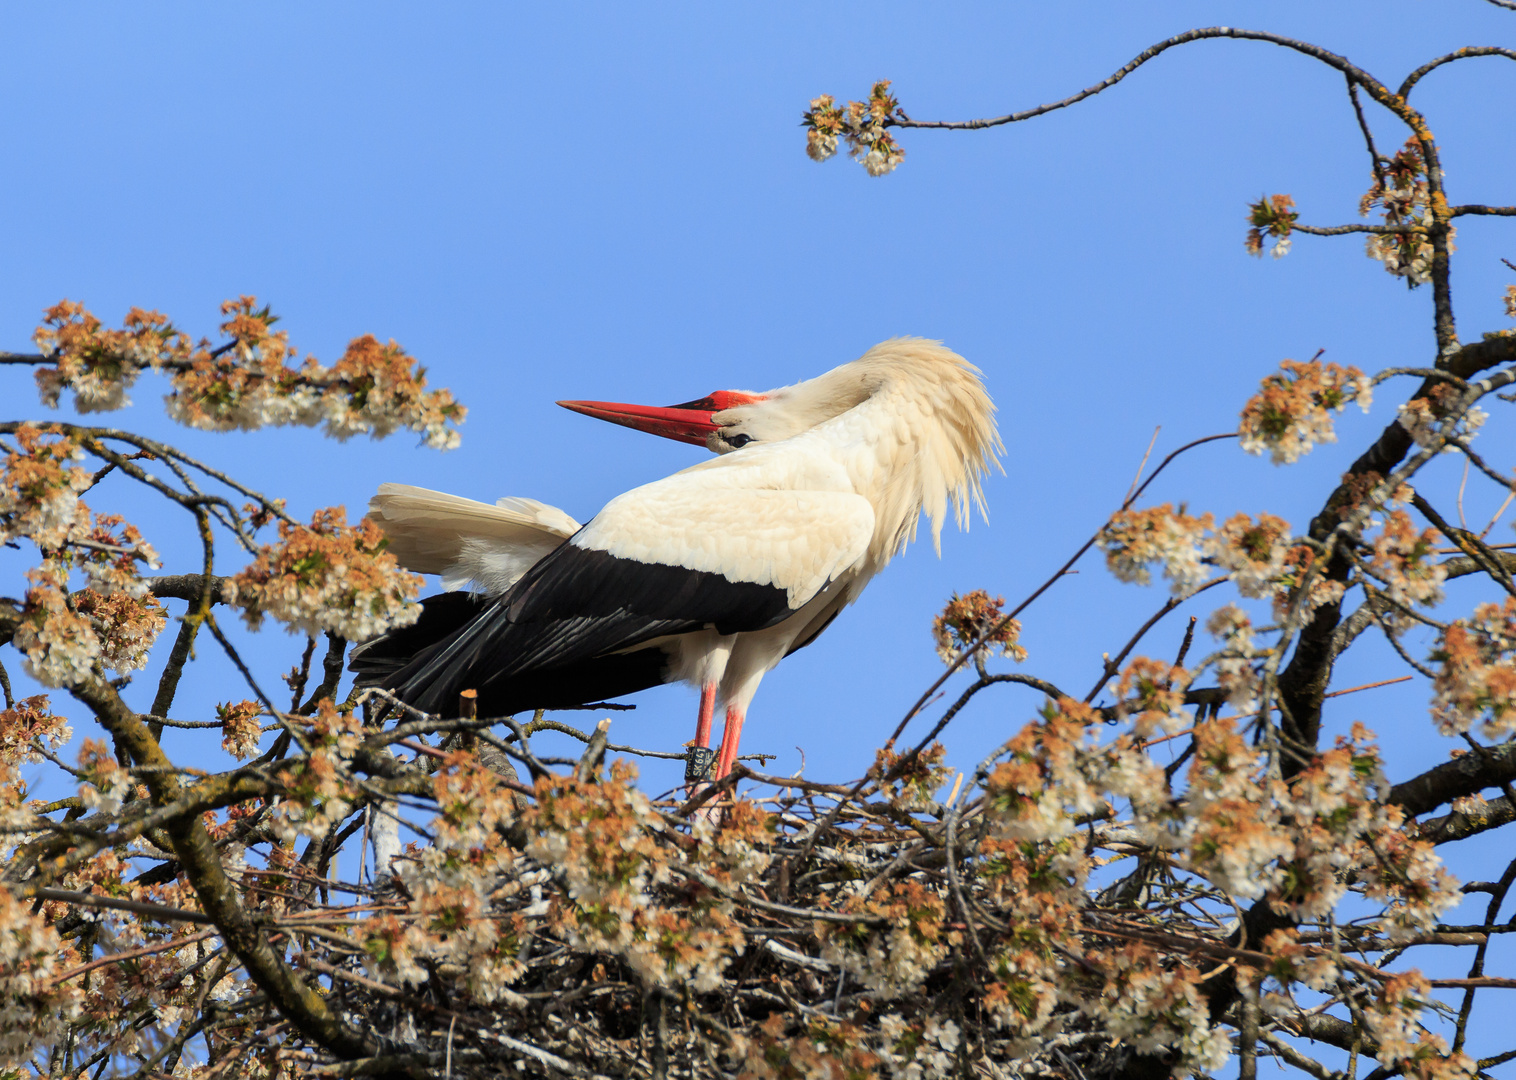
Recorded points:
431,532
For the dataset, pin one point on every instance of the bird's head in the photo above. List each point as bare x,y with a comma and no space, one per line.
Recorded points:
722,421
928,396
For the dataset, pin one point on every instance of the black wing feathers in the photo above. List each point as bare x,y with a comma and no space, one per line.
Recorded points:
441,616
559,636
575,582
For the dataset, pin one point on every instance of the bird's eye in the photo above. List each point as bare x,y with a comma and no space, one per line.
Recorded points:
737,442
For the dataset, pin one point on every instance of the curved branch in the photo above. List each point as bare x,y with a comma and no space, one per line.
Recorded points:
1375,162
1437,233
91,438
1458,54
1421,372
1035,683
1377,90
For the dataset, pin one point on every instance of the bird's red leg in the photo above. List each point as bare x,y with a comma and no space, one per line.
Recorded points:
707,712
698,764
730,737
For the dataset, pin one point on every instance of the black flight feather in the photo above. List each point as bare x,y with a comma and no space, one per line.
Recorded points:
567,633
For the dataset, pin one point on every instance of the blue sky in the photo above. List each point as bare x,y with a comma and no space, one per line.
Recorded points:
612,201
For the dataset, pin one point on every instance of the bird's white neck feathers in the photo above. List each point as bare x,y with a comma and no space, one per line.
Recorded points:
911,422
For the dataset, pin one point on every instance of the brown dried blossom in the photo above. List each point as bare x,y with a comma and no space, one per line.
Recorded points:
105,785
1133,540
318,788
167,981
108,553
329,576
970,617
100,365
1039,789
1262,561
39,489
1038,890
1358,488
28,726
861,124
821,1049
240,730
1151,694
1056,773
1253,553
892,957
1299,562
1403,560
125,626
1271,216
823,123
1476,676
1393,1018
912,781
1408,877
600,840
1294,962
1332,806
1292,410
1230,832
246,383
1154,1004
60,644
114,621
1425,419
1400,192
1235,664
38,1009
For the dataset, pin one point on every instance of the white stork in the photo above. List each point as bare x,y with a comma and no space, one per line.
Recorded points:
710,576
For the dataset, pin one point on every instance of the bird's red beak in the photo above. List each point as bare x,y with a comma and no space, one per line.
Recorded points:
690,422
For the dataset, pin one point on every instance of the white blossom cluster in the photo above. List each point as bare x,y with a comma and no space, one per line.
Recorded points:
892,960
245,384
1235,664
1476,677
1292,411
1407,255
862,124
1401,192
1134,540
105,784
25,727
35,1011
918,1052
1152,1009
327,577
39,490
1429,430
